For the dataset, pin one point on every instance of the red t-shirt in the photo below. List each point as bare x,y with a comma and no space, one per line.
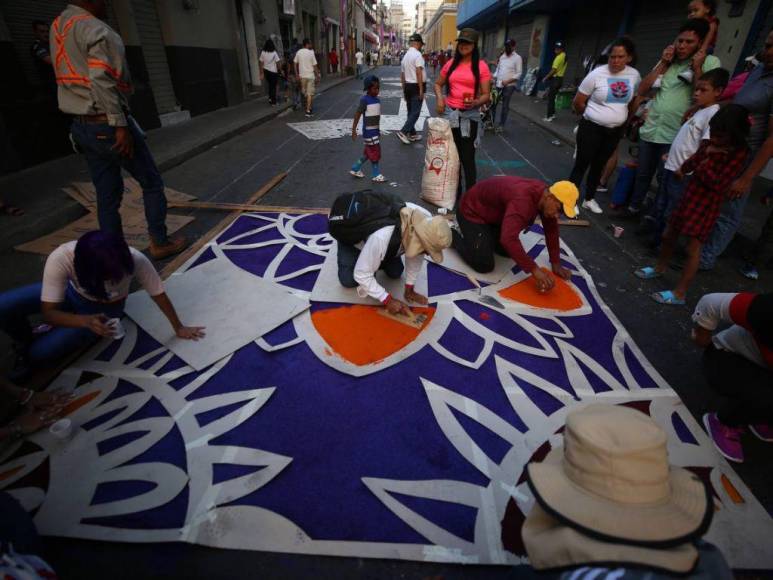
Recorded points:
463,81
513,204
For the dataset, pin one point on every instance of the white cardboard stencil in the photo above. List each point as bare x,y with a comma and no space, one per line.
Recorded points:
253,306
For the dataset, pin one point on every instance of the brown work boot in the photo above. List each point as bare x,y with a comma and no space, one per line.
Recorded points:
170,248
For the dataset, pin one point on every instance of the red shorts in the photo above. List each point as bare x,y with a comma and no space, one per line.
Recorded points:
373,153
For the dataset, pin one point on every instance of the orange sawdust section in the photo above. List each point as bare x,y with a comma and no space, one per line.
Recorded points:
561,297
360,335
73,406
731,490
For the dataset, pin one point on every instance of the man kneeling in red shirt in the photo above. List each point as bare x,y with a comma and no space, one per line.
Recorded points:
494,212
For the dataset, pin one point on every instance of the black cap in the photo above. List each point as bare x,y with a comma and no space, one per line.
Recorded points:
416,37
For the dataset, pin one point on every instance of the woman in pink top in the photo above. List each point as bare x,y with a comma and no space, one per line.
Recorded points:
467,79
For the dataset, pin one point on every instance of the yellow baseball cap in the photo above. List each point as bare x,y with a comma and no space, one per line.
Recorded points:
567,194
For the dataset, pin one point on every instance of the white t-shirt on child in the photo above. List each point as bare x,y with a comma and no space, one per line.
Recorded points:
609,95
689,138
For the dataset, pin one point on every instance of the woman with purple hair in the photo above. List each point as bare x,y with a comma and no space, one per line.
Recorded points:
85,283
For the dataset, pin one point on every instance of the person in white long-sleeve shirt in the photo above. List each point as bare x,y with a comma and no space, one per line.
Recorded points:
508,73
420,233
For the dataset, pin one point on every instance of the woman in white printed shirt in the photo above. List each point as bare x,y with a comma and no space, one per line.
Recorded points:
604,99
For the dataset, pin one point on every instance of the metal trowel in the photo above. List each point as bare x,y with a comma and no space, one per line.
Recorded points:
485,298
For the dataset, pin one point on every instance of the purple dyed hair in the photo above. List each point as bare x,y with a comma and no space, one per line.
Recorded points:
101,257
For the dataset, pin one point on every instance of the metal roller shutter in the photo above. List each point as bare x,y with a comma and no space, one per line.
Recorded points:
18,18
521,33
149,29
656,26
762,34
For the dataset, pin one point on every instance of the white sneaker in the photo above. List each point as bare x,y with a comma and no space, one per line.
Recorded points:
356,173
416,137
592,205
379,178
548,119
403,137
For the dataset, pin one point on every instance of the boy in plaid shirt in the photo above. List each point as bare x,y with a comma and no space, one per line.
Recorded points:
717,162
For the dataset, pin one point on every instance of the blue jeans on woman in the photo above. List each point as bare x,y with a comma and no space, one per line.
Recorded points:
18,304
95,141
650,156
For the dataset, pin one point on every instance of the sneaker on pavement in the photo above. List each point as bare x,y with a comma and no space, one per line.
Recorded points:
308,113
356,173
415,137
726,439
762,431
403,137
749,271
379,178
170,248
602,188
548,119
592,205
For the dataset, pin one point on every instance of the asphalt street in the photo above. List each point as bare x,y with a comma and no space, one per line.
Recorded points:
318,170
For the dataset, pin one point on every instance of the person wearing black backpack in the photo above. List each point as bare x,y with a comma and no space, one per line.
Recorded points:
373,230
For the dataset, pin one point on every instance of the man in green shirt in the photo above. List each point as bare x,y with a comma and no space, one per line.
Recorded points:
671,102
555,78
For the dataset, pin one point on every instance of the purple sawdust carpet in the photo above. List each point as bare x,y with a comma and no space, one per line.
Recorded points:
286,445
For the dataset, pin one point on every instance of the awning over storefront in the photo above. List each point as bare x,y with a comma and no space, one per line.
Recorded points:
330,21
476,13
370,36
541,5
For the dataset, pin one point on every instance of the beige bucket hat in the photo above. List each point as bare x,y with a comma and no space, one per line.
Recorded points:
551,544
612,481
424,234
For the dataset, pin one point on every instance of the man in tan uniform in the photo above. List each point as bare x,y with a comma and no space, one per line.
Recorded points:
94,86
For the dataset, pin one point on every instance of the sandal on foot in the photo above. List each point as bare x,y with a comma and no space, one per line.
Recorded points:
356,173
667,297
11,210
647,273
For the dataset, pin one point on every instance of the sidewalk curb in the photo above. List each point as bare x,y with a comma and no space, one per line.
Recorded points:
200,148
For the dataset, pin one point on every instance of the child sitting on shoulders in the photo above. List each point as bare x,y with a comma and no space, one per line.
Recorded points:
703,10
370,111
714,166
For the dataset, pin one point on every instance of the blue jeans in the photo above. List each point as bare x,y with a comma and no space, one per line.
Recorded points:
18,304
413,104
724,231
359,70
505,94
95,141
347,259
670,194
650,156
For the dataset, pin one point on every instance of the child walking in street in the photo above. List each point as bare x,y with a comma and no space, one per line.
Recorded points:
714,166
370,111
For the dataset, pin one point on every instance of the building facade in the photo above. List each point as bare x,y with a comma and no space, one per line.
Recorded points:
186,58
587,27
441,27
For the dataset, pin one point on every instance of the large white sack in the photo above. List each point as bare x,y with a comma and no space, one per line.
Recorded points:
441,165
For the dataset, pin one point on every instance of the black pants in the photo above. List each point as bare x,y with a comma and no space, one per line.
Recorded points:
477,244
554,83
272,78
595,145
466,148
746,389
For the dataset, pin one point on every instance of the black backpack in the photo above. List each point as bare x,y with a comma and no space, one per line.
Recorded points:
355,216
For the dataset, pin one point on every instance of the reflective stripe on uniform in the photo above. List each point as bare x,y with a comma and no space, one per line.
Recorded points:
60,35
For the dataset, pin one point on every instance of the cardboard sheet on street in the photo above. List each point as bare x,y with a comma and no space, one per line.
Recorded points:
135,227
454,262
329,289
253,306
